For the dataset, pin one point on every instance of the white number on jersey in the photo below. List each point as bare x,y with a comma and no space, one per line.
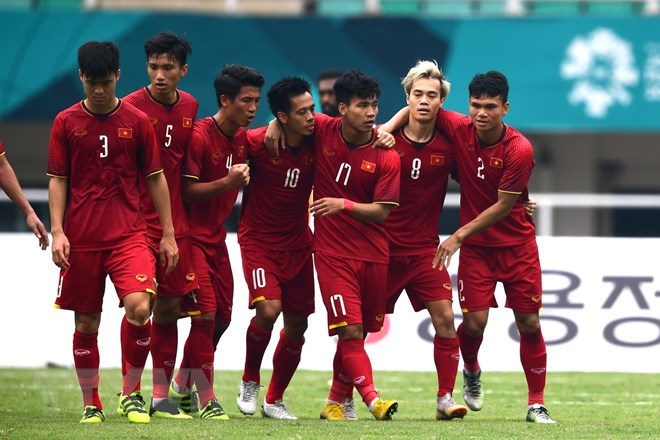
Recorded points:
416,167
104,145
292,176
480,169
168,134
342,167
230,161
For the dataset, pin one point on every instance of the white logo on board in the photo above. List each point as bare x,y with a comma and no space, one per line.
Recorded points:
602,68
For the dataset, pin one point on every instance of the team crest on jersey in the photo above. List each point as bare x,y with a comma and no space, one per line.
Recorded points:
328,153
447,286
80,133
380,318
309,160
400,153
141,278
367,166
536,299
437,160
187,122
218,155
496,162
275,160
469,146
125,133
190,276
154,121
241,150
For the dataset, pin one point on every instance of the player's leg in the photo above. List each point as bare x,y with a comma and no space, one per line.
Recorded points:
81,289
297,293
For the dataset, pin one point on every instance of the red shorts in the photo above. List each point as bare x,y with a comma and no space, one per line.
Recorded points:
182,280
287,276
421,281
82,286
516,267
353,291
216,284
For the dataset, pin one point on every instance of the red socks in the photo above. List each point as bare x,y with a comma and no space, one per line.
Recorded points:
445,355
164,340
256,342
357,366
534,359
135,344
86,360
469,348
285,363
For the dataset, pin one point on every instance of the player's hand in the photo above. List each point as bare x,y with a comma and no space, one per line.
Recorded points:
384,139
169,253
238,175
530,206
274,137
326,206
61,250
39,230
445,251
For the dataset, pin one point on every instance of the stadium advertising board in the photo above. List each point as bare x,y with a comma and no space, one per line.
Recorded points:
601,313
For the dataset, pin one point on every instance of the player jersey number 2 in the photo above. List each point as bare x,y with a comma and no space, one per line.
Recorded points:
480,168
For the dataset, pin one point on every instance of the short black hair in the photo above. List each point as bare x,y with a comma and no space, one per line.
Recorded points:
330,73
355,83
490,84
280,93
171,44
233,77
98,59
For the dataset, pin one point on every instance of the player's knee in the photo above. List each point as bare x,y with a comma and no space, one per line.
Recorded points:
87,323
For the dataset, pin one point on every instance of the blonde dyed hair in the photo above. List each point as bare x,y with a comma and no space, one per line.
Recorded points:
426,69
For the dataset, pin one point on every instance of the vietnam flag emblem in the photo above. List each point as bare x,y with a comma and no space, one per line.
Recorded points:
496,162
367,166
437,160
187,122
125,133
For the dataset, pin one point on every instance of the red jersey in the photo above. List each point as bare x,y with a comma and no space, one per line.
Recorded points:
362,174
425,167
484,171
210,156
173,125
275,208
103,156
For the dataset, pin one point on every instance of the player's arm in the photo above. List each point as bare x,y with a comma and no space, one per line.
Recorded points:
57,193
487,218
9,184
368,212
196,191
169,253
398,121
274,137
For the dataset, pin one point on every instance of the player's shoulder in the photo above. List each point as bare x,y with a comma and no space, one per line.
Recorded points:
514,139
256,135
70,111
133,111
137,96
186,97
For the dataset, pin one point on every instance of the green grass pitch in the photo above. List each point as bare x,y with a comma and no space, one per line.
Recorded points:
45,403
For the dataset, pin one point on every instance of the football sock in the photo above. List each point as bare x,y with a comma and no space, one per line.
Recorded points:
135,342
285,363
445,355
342,386
469,348
534,358
86,361
202,355
256,340
164,339
358,368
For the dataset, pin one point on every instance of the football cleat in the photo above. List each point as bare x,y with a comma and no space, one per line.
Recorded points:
537,413
332,411
277,410
472,392
248,397
133,408
384,409
213,411
448,409
92,414
166,410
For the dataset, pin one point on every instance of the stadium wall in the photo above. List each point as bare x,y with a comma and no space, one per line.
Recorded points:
601,313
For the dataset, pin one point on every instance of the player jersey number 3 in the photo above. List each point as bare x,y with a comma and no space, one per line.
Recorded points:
104,145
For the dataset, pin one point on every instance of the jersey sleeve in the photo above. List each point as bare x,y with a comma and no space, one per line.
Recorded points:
389,181
448,121
149,146
518,167
192,164
58,150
